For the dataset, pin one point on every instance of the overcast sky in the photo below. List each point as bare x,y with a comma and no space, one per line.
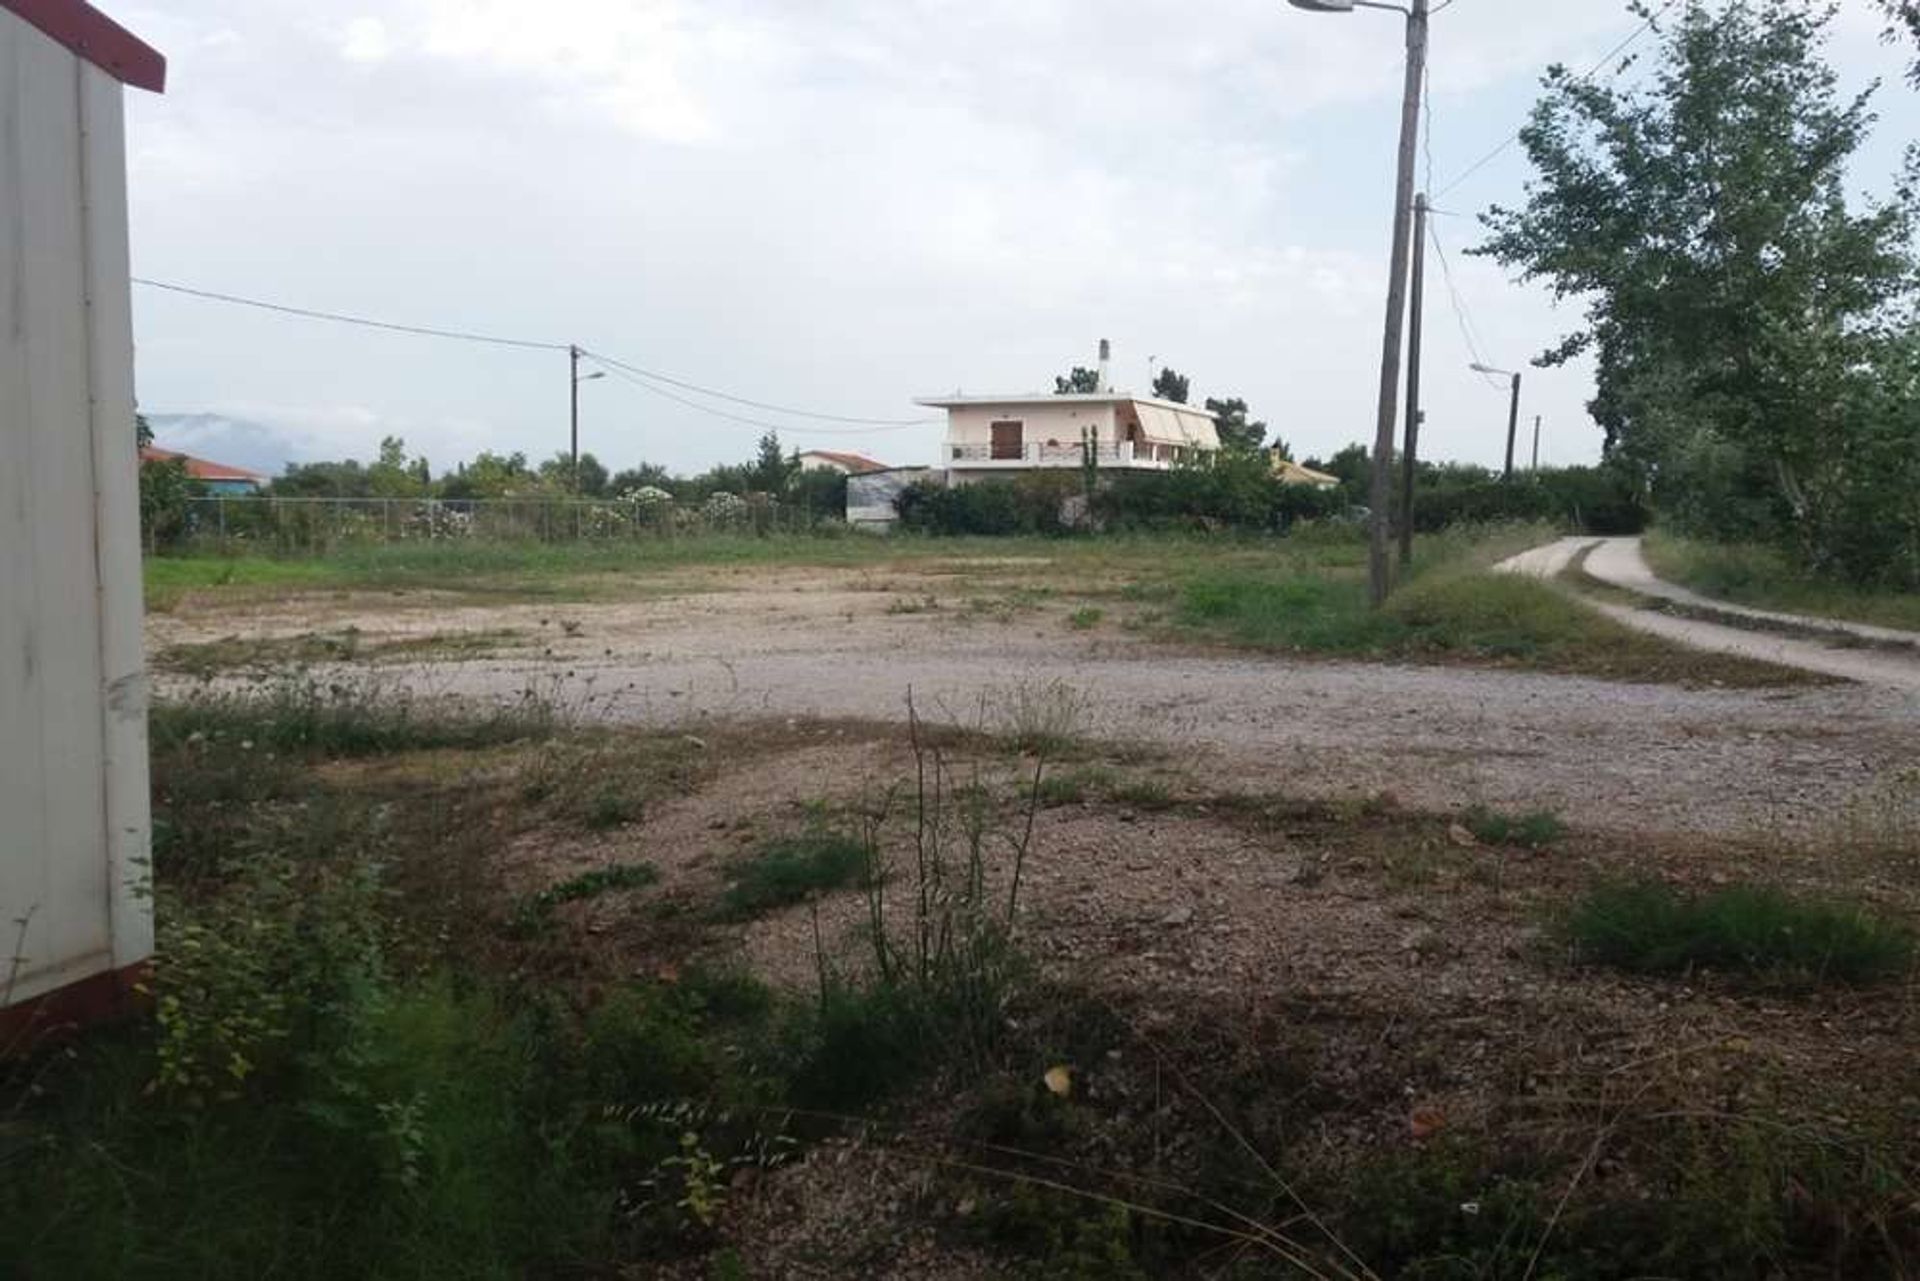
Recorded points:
832,204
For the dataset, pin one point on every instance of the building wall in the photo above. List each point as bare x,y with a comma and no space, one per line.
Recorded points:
74,828
972,425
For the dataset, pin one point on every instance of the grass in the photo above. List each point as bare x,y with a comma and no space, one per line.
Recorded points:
349,645
587,885
1765,578
1535,829
792,868
1086,619
1749,932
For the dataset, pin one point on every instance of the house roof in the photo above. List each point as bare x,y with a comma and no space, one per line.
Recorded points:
94,36
201,468
855,463
958,401
1294,474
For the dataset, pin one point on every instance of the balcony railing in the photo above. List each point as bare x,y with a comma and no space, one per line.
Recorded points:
1035,454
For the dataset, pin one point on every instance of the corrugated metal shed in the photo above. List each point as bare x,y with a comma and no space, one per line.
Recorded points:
74,828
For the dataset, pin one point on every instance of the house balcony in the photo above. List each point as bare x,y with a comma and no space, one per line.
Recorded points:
1144,456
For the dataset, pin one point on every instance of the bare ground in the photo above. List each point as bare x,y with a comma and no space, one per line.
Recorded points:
754,644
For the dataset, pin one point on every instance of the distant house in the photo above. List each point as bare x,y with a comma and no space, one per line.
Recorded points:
218,478
847,464
1291,473
1002,436
872,496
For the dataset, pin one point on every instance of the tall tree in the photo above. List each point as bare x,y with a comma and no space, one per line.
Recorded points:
1169,384
772,469
1904,15
1731,294
1081,381
1235,431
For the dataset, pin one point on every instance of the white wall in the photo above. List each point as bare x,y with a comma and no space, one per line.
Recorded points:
972,425
74,829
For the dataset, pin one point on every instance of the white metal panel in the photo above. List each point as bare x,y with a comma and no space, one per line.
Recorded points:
67,600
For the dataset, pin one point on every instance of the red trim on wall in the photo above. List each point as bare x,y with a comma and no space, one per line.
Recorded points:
53,1016
97,38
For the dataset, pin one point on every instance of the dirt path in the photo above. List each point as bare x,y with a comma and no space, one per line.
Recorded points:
1619,563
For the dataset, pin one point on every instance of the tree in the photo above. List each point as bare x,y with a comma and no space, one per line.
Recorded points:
1732,297
1904,14
393,476
557,474
772,469
645,476
1080,382
1236,433
1171,385
142,431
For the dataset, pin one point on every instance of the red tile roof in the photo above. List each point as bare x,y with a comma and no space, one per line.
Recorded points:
97,38
857,464
200,468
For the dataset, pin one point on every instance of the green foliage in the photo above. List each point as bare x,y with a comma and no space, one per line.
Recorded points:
1767,577
792,868
1233,490
1031,504
1236,432
1754,365
538,908
1535,829
1079,381
1750,932
1085,619
166,494
1169,384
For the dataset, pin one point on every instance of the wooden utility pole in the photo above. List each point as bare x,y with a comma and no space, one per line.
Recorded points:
1513,423
573,431
1536,442
1415,416
1381,491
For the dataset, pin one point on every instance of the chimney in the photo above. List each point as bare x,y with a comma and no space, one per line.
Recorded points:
1106,357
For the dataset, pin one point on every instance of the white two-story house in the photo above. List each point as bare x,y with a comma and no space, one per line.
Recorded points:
1002,436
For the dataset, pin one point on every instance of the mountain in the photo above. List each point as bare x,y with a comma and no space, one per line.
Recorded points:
232,441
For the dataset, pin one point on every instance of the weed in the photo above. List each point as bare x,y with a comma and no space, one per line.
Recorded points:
1043,720
790,869
924,605
536,909
1074,786
1535,829
1143,794
1085,619
1751,932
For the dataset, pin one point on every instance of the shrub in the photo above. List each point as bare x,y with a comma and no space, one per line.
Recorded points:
1748,931
1535,829
789,869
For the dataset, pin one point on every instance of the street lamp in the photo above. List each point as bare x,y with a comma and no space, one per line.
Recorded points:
573,357
1513,407
1381,490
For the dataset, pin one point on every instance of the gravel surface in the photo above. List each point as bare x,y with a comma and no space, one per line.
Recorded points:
1618,562
835,644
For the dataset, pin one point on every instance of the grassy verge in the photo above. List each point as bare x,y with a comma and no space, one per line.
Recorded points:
1764,578
1453,609
349,645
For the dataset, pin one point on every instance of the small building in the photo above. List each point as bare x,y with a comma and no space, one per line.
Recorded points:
846,463
872,497
217,479
1002,436
73,698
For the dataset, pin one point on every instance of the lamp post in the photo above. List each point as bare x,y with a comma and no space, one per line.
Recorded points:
573,435
1513,409
1380,492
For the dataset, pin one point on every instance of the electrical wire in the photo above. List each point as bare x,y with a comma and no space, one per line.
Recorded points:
621,372
755,404
344,319
633,373
1468,332
1514,137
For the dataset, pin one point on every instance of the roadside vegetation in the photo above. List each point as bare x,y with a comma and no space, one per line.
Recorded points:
1766,578
416,1014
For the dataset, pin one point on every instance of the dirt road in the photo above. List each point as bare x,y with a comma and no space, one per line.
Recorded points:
827,644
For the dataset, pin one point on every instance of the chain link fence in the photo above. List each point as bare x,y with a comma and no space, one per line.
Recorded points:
285,526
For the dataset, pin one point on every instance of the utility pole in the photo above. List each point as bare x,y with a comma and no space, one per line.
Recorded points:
573,414
1381,492
1536,442
1415,415
1513,423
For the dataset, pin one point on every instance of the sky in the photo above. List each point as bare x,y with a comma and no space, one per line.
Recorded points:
837,206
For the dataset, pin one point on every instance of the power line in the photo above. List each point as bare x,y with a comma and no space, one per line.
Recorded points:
344,319
1468,332
1592,71
623,373
632,372
755,404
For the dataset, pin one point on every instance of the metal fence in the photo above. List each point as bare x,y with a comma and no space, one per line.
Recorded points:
234,523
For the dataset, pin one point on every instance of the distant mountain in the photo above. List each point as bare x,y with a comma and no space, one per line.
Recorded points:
232,441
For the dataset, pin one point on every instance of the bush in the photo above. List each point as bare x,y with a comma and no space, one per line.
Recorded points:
1228,491
1749,931
1031,504
789,869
